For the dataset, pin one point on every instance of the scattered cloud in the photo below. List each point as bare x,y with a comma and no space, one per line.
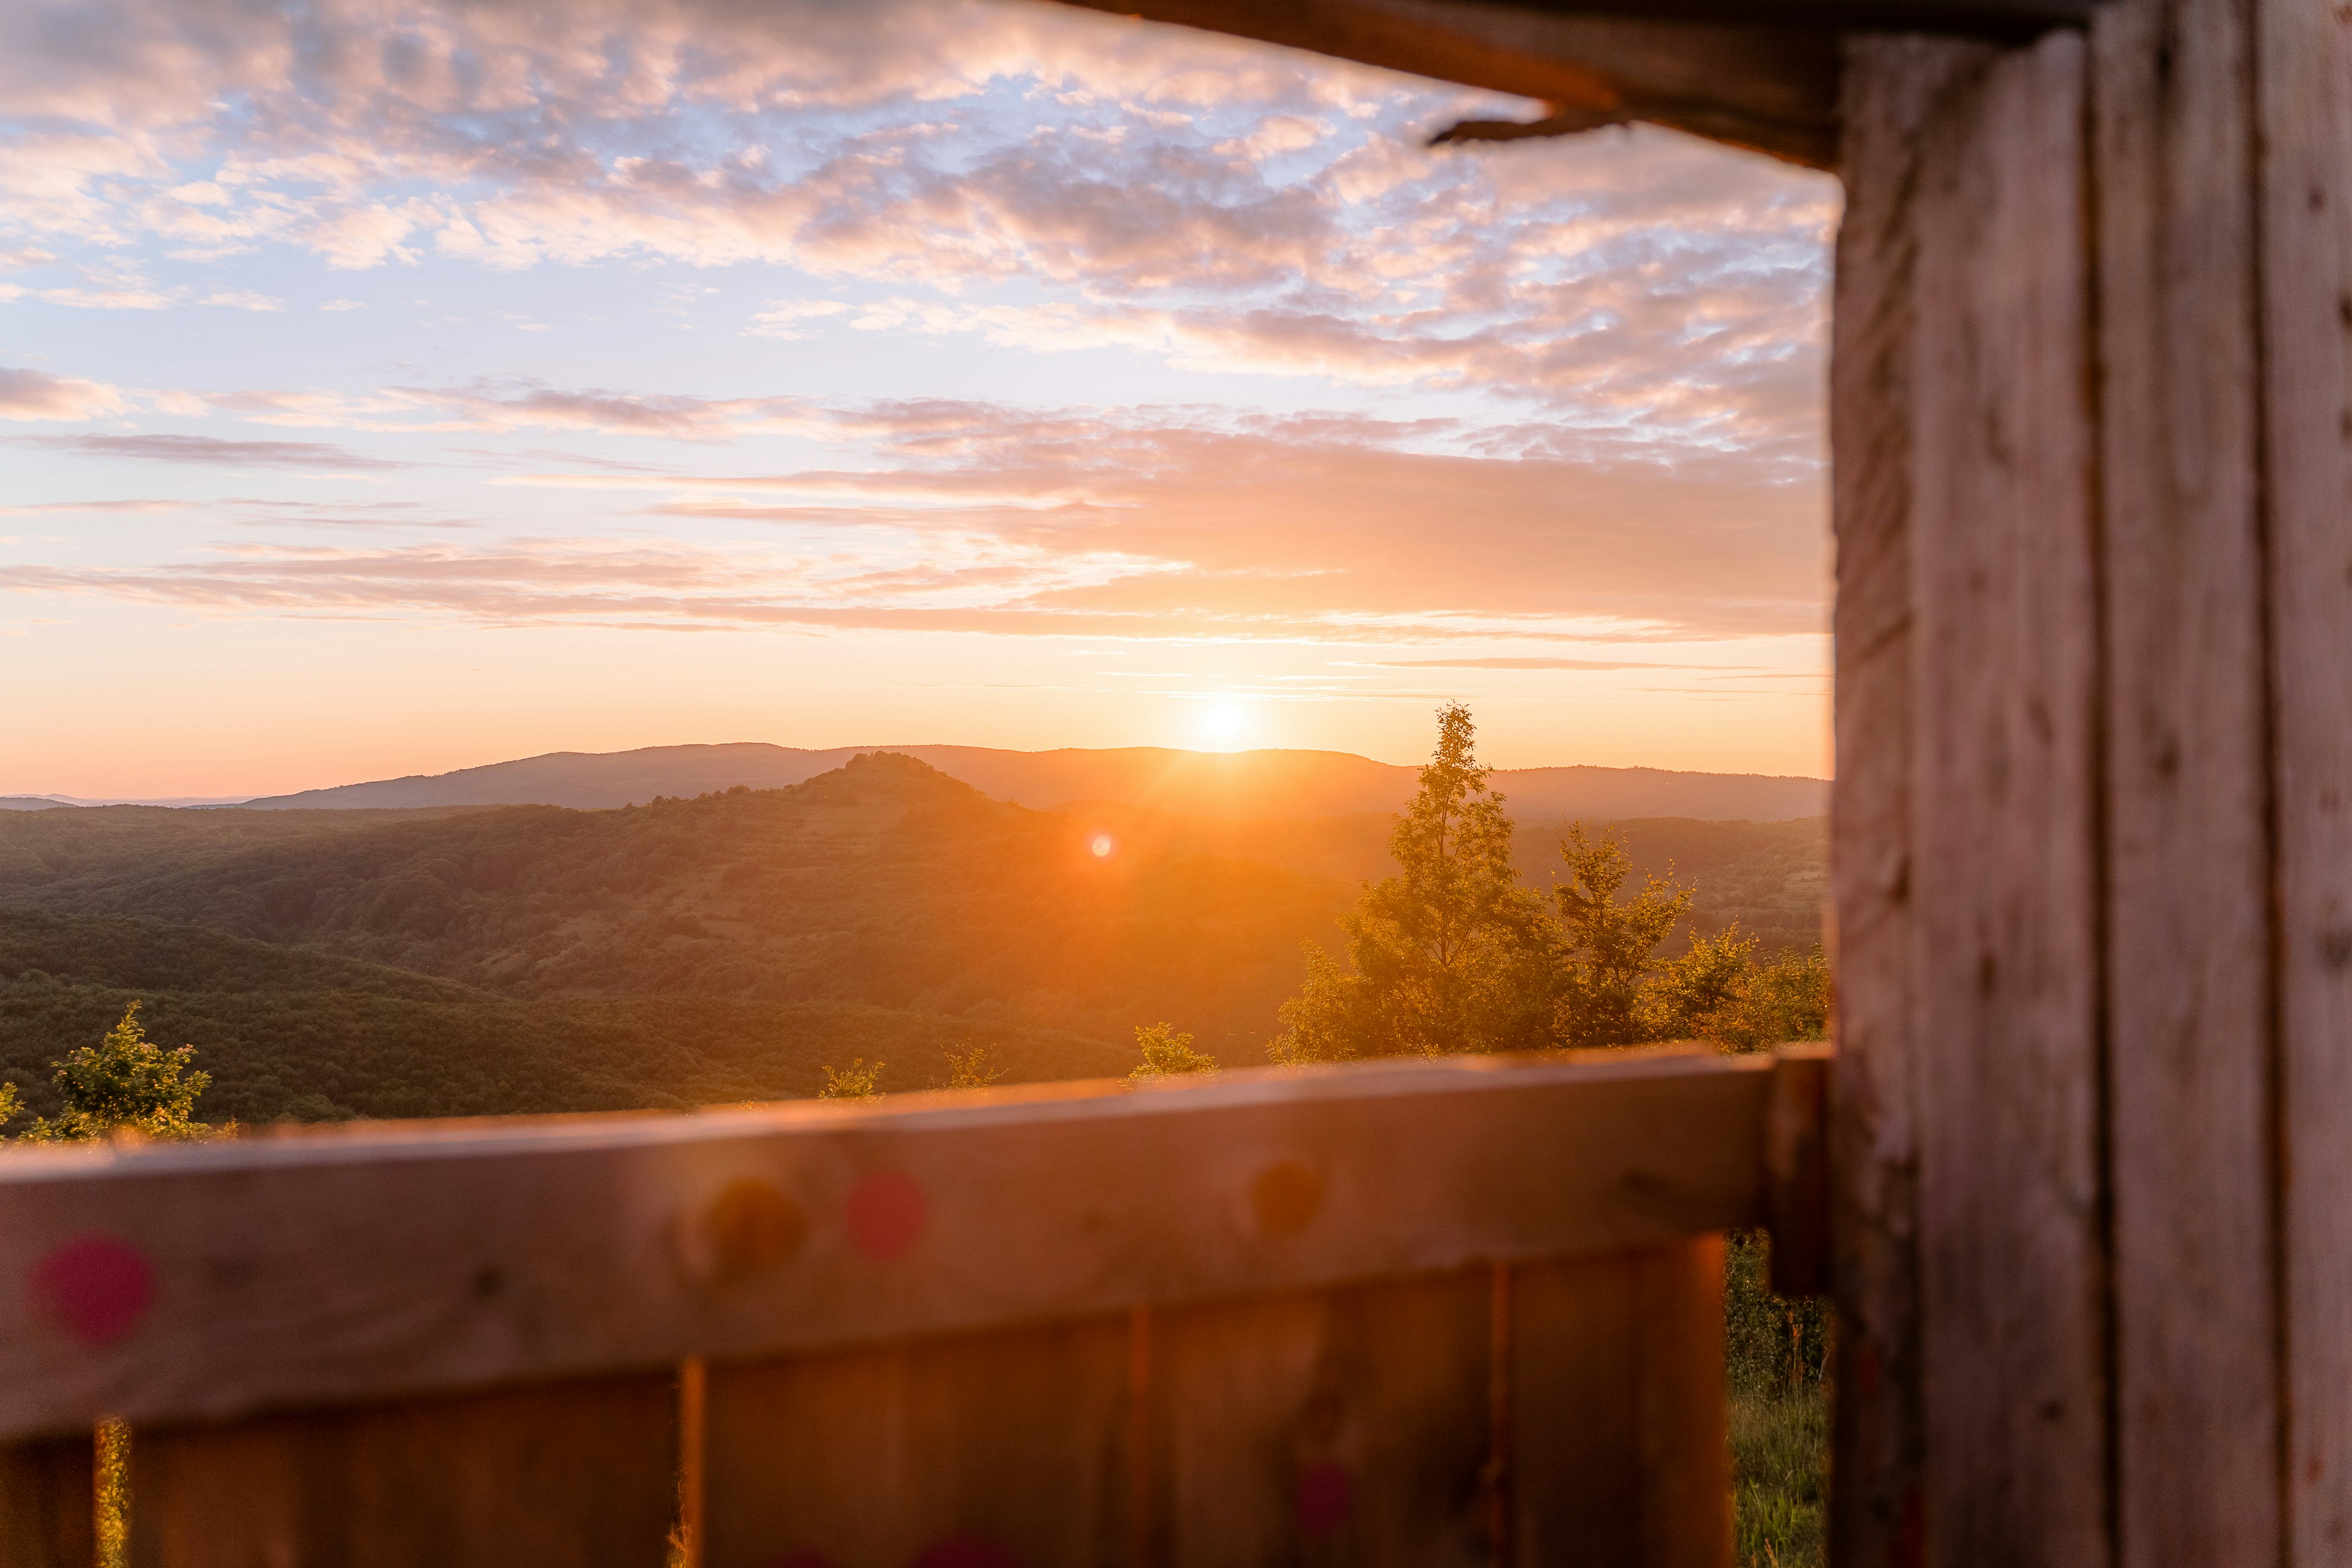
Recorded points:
343,305
790,318
36,395
245,300
207,449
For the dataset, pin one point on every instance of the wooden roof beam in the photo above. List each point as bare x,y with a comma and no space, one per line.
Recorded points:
1760,74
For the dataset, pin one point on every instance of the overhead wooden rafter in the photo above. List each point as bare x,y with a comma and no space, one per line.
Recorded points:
1759,75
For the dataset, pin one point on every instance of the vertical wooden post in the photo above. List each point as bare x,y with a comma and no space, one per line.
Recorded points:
2093,1120
2304,96
2186,780
693,1398
1970,1206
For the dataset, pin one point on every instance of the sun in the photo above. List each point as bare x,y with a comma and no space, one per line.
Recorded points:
1102,845
1223,725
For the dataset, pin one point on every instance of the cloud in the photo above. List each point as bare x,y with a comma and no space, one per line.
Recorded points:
36,395
245,300
788,318
42,508
343,305
208,450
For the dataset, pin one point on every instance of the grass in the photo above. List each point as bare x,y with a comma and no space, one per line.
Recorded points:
1775,1356
1777,1444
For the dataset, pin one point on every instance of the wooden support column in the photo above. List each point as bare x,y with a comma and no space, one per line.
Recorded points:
2303,72
1973,1391
2093,1114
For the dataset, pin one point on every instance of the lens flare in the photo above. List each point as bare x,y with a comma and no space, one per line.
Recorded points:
1102,846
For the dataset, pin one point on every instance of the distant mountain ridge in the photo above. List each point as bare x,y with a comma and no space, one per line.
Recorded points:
1263,783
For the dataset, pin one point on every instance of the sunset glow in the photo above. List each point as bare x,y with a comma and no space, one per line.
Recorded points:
397,387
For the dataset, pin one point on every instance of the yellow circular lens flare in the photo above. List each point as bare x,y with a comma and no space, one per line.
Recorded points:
1102,846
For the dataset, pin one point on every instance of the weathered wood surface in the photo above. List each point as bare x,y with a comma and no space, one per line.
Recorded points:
1618,1451
1891,85
178,1283
573,1476
1734,76
2186,782
1796,1169
1353,1425
2304,68
1968,919
46,1497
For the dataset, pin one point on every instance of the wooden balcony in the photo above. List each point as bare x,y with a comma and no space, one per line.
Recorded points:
1427,1313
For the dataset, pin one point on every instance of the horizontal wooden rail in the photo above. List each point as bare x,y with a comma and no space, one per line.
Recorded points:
176,1283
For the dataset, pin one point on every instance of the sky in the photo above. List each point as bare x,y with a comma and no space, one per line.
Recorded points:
390,387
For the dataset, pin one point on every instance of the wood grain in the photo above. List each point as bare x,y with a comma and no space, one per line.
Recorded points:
2304,70
46,1495
2187,784
1011,1443
1348,1427
2004,823
1619,1457
578,1476
394,1261
1891,86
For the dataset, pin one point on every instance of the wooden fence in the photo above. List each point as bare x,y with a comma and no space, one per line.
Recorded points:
1430,1312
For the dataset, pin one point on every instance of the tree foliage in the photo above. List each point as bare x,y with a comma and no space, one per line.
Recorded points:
1167,1053
855,1082
1451,953
970,1067
124,1083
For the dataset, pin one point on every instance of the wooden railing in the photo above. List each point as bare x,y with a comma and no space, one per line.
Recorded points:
1430,1312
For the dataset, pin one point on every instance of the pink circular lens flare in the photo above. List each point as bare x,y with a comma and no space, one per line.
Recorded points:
97,1287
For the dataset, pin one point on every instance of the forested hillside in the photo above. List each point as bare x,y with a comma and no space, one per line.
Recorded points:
468,959
290,1034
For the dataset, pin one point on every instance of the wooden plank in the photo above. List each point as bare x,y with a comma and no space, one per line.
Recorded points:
1772,88
1349,1426
1891,87
1618,1446
1796,1162
1005,1448
577,1475
206,1282
2304,70
2186,784
1966,1110
2004,821
45,1504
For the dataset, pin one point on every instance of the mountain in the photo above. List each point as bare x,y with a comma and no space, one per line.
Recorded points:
1264,783
33,803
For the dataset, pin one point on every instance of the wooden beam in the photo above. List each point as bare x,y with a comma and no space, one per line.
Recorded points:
1772,88
204,1282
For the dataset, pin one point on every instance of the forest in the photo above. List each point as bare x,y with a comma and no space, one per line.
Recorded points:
446,961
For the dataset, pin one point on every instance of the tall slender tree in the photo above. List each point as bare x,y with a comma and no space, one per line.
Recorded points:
1451,953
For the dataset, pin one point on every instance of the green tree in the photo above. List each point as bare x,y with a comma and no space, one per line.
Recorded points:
855,1082
1609,948
1167,1053
1786,999
1682,997
125,1083
1449,954
970,1067
11,1102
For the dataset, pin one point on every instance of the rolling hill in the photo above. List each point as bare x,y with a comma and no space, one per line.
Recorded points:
1264,783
